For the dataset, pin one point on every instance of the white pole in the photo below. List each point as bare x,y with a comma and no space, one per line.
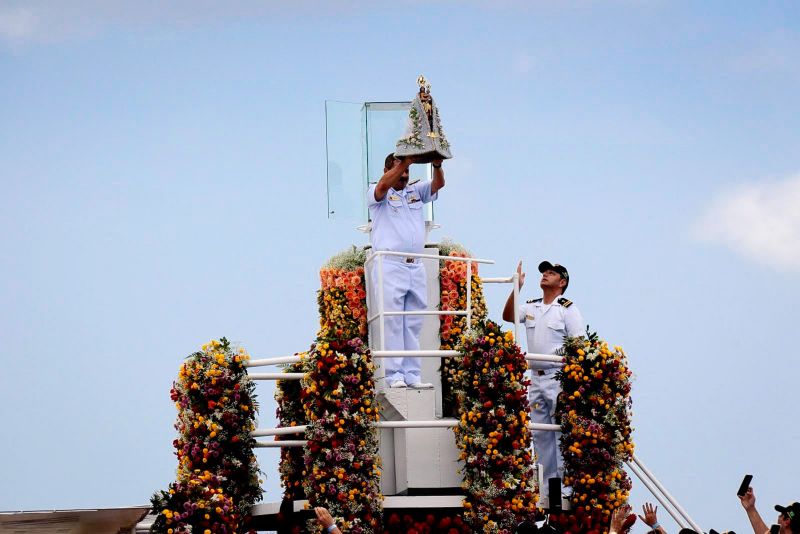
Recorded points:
369,290
515,281
435,423
678,519
425,312
272,361
666,493
545,427
276,376
469,295
432,423
507,280
533,357
433,256
418,312
414,353
275,444
382,327
280,431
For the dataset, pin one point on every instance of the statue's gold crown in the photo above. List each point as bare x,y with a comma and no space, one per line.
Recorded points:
423,84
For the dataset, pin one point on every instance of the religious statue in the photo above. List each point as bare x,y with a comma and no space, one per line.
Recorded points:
424,138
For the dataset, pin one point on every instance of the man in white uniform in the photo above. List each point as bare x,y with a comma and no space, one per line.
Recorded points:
548,320
398,224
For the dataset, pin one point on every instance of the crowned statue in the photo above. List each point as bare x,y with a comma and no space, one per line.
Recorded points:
424,138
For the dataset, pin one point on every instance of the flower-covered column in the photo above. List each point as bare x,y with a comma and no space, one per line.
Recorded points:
594,409
493,434
341,466
290,413
453,297
217,482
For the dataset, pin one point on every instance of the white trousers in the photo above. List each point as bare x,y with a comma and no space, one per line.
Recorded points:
542,397
404,289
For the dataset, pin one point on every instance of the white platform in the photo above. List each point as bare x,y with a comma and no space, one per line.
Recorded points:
416,458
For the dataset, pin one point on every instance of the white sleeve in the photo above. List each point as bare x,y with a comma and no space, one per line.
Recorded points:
523,311
574,322
424,189
371,196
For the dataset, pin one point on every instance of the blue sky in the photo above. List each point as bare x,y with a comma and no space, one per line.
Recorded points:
163,173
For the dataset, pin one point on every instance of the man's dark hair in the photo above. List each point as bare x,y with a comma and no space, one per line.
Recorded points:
388,163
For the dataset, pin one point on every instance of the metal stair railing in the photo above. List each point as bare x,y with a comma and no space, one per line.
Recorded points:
636,466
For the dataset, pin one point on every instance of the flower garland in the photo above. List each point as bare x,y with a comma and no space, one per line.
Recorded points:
342,466
217,482
342,302
595,410
290,412
453,296
493,434
339,467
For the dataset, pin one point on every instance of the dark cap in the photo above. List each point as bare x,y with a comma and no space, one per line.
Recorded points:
792,512
560,269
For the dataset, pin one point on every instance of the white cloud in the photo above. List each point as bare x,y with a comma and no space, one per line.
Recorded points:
760,221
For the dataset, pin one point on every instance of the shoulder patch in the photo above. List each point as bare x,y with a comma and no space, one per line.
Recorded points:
565,302
532,301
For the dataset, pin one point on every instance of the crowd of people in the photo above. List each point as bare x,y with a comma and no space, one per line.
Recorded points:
623,519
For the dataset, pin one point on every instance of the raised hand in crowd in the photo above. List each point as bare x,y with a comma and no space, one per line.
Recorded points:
621,520
324,518
748,501
650,518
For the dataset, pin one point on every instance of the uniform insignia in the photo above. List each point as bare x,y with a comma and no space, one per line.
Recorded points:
532,301
394,197
565,302
531,317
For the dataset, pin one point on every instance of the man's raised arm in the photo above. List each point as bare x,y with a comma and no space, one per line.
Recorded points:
391,177
509,313
438,176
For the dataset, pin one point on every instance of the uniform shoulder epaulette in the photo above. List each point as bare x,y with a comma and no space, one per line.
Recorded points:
532,301
565,302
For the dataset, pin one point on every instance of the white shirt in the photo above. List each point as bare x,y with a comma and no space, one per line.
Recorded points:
398,221
546,326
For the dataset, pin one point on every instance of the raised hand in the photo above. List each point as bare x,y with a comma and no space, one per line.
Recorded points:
650,516
323,516
521,274
748,499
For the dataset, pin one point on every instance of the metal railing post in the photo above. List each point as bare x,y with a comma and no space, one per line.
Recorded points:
382,326
515,281
469,295
667,494
369,289
660,498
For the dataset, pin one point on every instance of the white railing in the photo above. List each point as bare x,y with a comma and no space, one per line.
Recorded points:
378,256
675,510
531,357
662,495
